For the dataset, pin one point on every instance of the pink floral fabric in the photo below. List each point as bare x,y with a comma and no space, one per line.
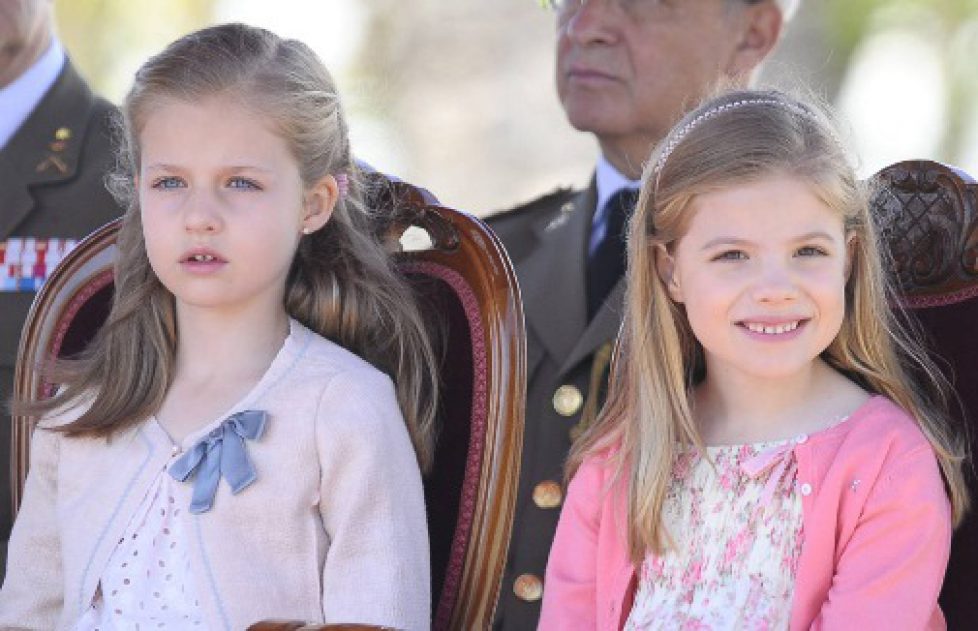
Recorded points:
737,529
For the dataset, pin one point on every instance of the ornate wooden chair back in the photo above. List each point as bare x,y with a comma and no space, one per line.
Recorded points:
468,293
928,214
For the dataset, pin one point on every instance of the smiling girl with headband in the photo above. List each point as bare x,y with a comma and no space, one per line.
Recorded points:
764,459
229,449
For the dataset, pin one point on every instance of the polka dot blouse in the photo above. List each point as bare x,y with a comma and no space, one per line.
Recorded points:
148,583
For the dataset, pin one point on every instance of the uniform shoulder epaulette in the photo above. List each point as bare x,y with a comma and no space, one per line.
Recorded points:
551,200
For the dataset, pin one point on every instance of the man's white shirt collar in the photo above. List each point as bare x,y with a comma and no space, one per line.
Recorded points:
608,181
22,95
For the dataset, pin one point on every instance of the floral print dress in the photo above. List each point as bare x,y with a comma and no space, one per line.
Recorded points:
737,529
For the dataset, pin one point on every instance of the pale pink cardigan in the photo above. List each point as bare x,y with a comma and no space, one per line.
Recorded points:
876,526
333,529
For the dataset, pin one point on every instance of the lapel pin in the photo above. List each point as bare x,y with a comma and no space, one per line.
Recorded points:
54,161
556,222
59,144
560,218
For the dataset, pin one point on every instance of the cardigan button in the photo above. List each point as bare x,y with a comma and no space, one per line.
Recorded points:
528,587
806,489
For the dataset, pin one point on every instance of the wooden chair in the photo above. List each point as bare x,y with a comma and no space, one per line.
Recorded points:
928,214
469,293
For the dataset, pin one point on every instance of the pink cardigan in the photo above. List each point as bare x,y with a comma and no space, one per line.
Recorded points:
876,524
333,530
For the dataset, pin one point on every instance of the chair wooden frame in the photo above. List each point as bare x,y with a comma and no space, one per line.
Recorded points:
457,237
914,202
85,270
490,297
928,219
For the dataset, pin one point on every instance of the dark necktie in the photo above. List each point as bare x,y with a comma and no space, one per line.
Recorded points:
607,264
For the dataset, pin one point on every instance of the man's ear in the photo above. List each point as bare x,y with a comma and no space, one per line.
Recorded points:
759,25
319,200
665,267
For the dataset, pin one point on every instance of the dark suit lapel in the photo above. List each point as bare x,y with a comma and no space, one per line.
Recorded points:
552,277
603,328
35,156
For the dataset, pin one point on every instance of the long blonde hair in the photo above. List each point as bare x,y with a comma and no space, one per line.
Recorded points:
736,138
342,283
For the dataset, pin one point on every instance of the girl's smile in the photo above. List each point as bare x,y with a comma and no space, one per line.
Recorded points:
774,330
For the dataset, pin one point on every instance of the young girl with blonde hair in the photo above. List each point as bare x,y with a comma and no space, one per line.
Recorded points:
764,459
229,449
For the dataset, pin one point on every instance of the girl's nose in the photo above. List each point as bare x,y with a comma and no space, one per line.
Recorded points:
202,214
775,284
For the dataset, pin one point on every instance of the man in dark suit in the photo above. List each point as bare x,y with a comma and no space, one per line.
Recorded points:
626,71
54,154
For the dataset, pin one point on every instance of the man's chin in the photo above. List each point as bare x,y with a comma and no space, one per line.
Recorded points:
597,124
596,111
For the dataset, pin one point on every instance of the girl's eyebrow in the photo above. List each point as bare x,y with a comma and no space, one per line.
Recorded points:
817,235
712,243
162,166
249,167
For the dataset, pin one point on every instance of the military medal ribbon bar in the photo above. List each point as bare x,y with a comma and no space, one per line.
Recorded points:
26,262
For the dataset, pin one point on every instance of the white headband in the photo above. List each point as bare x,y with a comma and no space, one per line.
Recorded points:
678,135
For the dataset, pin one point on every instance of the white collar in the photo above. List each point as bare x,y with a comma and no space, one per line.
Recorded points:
19,98
608,181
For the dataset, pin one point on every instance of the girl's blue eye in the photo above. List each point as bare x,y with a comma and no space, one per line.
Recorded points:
243,184
731,255
169,182
811,250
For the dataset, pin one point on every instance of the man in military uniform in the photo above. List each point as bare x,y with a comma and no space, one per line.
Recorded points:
54,154
626,71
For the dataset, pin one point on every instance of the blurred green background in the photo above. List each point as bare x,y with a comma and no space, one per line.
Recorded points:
458,96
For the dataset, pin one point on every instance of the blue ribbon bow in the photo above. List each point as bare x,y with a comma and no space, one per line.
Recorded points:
221,452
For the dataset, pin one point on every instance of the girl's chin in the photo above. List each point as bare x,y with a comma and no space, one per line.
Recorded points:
784,371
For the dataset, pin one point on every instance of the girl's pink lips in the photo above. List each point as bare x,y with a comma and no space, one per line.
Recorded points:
196,253
772,320
768,329
202,260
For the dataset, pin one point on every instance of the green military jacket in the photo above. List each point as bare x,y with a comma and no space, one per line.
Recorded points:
52,190
567,360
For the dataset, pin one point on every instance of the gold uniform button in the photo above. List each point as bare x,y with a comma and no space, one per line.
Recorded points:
548,494
528,587
568,400
63,133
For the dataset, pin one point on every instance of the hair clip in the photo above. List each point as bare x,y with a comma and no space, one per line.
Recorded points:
343,183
